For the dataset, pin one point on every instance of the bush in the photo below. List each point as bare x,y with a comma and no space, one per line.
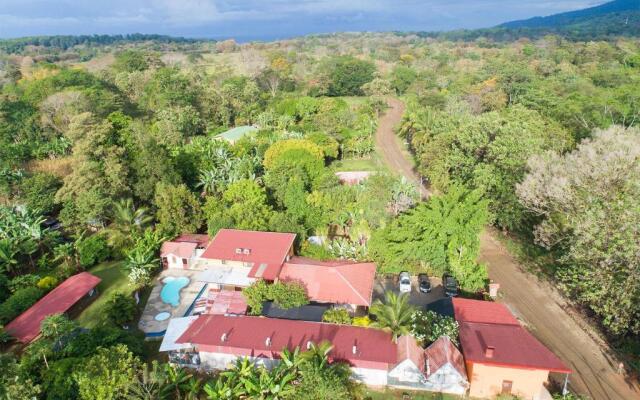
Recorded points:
47,283
4,287
284,294
23,282
337,316
93,250
39,190
121,309
5,337
315,251
19,302
429,326
364,321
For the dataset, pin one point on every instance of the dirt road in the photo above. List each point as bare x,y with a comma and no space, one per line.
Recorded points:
538,305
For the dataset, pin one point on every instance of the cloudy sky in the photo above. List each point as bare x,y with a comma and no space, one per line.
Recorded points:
263,19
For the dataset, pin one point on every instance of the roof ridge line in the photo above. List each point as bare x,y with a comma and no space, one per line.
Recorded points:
351,286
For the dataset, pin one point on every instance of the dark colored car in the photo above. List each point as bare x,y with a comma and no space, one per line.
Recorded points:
424,284
450,285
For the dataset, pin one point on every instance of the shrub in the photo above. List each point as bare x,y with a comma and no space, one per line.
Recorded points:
429,326
337,316
19,302
38,191
4,287
47,283
288,294
93,250
284,294
121,309
5,337
364,321
23,282
315,251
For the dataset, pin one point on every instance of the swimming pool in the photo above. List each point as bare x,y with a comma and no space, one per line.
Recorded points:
170,292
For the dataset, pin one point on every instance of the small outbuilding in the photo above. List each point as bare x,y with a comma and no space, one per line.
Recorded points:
26,327
237,133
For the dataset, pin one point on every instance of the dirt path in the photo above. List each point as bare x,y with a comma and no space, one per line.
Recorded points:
540,307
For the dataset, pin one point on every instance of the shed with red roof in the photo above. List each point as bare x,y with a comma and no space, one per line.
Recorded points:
336,282
26,326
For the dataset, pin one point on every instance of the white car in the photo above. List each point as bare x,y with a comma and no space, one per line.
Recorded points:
404,282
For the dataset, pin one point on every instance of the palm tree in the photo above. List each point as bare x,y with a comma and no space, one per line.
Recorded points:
56,326
126,220
8,255
177,380
317,356
141,259
209,181
223,388
150,384
394,314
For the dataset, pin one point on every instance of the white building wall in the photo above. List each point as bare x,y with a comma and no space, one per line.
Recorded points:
407,371
368,376
222,361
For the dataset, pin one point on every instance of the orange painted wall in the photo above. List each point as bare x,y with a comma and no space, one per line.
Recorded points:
486,380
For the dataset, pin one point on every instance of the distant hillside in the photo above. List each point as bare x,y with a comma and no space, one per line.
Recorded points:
63,42
616,7
604,22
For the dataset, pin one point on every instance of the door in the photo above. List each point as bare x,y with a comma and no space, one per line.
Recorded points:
506,387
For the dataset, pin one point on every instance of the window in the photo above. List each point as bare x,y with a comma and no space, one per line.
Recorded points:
506,387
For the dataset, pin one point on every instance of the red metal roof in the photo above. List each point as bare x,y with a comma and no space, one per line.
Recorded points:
200,239
332,282
226,302
408,348
482,311
513,347
251,333
267,251
26,327
443,351
180,249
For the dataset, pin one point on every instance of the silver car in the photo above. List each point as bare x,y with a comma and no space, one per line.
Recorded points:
404,282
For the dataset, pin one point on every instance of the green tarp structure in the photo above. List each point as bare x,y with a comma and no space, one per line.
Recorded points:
235,134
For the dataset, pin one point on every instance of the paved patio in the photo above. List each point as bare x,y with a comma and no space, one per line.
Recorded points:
155,305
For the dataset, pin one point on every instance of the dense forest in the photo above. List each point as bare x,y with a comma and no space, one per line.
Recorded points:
118,143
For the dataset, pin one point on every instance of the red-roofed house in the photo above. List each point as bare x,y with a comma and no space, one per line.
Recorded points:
26,326
439,368
501,356
219,340
336,282
182,252
235,258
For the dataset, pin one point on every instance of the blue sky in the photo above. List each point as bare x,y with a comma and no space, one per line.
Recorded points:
263,19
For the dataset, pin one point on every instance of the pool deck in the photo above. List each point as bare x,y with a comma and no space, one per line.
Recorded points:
155,305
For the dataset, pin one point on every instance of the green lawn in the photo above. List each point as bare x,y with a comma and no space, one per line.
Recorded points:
386,394
356,164
114,279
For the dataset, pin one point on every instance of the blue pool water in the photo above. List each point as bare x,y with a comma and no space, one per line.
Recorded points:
170,292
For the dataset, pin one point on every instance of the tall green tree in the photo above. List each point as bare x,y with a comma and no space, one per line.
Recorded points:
178,209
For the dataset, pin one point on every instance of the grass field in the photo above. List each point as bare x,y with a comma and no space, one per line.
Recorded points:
356,164
114,279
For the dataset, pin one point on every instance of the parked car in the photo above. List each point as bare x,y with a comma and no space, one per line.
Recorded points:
424,284
450,285
404,282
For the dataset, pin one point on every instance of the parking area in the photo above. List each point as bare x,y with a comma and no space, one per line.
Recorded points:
416,297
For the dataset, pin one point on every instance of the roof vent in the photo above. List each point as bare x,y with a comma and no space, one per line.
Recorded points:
354,349
223,338
238,250
427,367
267,342
309,344
488,352
246,251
